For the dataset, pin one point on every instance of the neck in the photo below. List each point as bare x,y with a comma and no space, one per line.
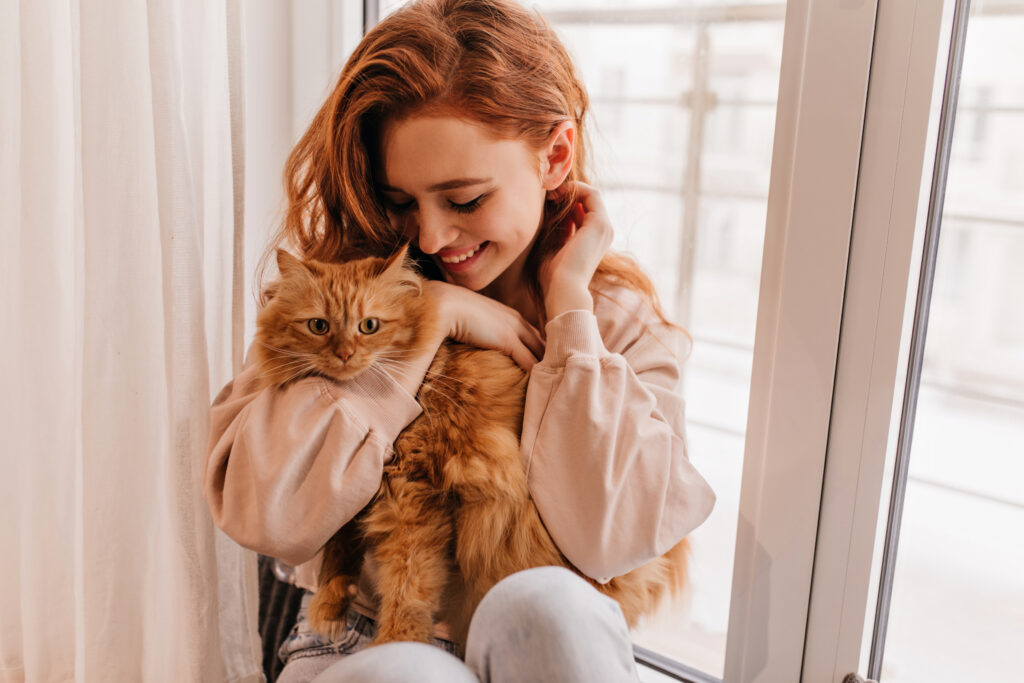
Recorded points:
510,289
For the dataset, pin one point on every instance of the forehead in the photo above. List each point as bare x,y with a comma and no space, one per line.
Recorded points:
425,150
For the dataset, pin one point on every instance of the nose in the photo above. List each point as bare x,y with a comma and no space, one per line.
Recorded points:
344,354
435,232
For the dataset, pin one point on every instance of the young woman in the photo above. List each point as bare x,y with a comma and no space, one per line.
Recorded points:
458,125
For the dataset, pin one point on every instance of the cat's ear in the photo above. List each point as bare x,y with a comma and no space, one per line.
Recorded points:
396,262
291,267
398,269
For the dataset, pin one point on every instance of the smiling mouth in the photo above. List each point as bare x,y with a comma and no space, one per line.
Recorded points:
450,260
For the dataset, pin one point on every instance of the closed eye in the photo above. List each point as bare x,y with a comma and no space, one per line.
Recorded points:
400,208
469,206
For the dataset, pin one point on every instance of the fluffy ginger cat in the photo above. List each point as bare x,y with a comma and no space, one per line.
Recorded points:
453,515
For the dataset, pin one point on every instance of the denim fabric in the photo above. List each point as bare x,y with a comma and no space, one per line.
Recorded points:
303,642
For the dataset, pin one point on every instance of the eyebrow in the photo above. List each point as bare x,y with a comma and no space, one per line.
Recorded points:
446,185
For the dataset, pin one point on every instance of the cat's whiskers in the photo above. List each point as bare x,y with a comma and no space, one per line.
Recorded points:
429,373
448,378
380,371
275,364
296,367
437,388
287,352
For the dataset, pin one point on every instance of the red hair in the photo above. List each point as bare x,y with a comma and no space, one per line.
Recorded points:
491,61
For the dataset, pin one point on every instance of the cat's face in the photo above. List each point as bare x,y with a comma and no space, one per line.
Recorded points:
338,319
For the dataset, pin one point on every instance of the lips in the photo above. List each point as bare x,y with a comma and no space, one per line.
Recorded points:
459,255
461,259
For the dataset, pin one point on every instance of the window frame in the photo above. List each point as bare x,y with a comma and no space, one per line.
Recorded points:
899,144
826,58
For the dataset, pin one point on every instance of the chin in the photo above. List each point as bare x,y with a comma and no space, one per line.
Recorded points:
474,281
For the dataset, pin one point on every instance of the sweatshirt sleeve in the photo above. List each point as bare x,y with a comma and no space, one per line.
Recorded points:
286,468
603,438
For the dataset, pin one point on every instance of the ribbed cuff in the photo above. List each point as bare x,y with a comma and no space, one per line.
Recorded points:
381,403
572,333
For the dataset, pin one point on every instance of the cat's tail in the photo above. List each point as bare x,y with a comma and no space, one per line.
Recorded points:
641,591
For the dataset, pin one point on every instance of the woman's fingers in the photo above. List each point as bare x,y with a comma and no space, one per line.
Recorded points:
522,356
588,195
480,321
523,342
531,338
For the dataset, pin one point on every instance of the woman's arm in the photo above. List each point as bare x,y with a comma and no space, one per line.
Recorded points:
286,468
603,438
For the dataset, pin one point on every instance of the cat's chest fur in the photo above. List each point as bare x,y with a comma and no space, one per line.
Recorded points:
472,402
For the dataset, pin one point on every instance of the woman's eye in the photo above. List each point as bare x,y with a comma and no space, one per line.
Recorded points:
318,326
399,208
468,207
369,325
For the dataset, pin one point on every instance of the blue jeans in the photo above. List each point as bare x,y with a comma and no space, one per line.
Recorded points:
542,624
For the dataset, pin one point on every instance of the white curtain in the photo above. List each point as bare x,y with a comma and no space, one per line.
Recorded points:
121,314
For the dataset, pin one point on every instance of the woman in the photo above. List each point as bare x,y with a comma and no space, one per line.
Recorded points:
458,125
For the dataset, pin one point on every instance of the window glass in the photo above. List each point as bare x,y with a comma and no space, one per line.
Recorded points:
958,597
684,97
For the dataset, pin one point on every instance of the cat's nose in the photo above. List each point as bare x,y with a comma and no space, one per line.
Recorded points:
344,354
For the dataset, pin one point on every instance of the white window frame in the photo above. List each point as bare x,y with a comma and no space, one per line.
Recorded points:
899,145
823,84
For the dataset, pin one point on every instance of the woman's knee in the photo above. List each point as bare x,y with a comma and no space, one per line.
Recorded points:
548,598
548,624
399,663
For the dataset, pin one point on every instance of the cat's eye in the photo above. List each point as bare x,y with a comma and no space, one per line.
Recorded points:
318,326
369,325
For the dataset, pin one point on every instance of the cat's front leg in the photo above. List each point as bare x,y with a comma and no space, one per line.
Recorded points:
497,528
410,533
337,581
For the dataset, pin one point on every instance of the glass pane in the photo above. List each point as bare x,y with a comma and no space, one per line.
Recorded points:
958,595
683,100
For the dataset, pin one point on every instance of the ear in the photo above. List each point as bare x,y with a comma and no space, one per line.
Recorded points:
557,155
289,265
396,262
397,269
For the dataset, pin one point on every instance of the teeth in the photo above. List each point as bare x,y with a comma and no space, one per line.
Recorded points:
460,259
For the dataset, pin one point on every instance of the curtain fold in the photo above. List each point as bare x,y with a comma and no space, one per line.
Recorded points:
120,205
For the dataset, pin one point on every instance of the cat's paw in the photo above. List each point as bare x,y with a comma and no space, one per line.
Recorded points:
332,629
414,630
329,606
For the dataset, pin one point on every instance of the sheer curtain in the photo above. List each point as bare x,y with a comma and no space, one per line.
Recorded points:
121,306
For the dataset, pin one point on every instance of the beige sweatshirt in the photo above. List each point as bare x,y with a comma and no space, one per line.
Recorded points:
602,445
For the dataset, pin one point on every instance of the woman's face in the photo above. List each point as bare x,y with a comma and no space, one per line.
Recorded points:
471,201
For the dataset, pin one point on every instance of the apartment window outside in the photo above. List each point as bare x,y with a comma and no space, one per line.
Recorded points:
682,140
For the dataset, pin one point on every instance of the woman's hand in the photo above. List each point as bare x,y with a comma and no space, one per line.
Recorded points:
565,276
478,320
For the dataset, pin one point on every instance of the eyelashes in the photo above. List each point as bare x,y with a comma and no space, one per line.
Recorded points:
468,207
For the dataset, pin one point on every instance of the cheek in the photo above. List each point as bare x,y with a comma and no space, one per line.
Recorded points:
508,222
518,223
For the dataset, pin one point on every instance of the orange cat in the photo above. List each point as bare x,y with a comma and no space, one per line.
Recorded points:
453,514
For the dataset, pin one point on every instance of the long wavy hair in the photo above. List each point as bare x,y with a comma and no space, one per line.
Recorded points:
491,61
